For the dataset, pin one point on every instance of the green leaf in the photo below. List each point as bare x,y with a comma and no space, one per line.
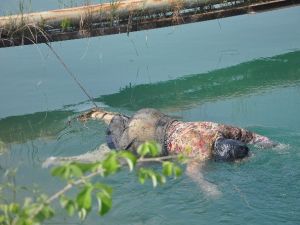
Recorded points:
82,213
154,148
75,171
143,150
161,179
42,198
69,170
27,201
58,171
182,159
149,148
70,207
2,219
63,200
26,221
67,173
154,179
170,169
4,208
145,174
103,187
14,208
167,168
142,178
87,167
177,171
111,164
84,198
62,171
129,157
46,213
104,202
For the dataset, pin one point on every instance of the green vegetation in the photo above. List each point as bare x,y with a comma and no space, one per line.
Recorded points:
79,176
65,24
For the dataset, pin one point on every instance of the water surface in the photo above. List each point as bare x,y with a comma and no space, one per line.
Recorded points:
243,71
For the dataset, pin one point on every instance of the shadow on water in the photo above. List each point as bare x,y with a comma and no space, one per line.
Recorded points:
20,129
243,79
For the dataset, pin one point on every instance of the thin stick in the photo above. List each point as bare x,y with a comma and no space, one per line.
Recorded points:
157,159
71,74
61,192
83,179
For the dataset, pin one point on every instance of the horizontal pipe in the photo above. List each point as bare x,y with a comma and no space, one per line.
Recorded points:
102,11
137,22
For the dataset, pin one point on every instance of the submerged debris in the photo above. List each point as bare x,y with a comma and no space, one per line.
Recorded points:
88,157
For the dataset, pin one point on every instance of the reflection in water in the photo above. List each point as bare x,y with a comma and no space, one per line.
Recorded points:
19,129
3,148
243,79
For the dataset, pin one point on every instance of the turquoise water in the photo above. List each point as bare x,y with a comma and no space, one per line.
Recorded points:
242,70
